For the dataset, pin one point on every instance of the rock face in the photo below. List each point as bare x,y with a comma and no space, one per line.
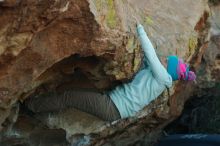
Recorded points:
43,42
201,111
56,45
212,54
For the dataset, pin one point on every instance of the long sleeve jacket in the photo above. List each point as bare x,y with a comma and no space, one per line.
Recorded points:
147,84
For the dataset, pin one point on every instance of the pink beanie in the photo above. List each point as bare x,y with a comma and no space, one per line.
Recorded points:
183,71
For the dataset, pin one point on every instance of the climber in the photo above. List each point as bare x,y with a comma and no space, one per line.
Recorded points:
126,99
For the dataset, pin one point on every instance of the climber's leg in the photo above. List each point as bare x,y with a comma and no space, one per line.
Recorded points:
91,102
95,103
48,102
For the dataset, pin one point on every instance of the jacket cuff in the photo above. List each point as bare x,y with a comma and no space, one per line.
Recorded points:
140,30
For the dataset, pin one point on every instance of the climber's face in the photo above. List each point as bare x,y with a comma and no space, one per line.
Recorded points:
164,61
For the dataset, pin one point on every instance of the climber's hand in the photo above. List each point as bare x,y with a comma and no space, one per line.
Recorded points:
137,22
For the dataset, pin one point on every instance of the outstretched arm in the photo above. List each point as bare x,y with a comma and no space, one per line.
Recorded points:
158,70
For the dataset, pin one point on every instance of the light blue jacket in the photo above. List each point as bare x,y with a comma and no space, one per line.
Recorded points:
147,84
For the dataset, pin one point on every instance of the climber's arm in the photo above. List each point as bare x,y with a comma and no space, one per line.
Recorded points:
158,70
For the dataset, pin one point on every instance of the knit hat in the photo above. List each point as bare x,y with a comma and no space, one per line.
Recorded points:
179,70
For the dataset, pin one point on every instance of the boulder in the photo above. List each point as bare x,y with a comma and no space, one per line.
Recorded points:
62,44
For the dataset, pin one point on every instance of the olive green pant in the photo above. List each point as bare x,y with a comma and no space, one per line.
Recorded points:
95,103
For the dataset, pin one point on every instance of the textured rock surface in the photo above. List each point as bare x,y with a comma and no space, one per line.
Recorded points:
200,114
39,37
55,45
210,68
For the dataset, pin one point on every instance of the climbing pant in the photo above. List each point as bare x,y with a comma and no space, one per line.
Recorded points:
95,103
